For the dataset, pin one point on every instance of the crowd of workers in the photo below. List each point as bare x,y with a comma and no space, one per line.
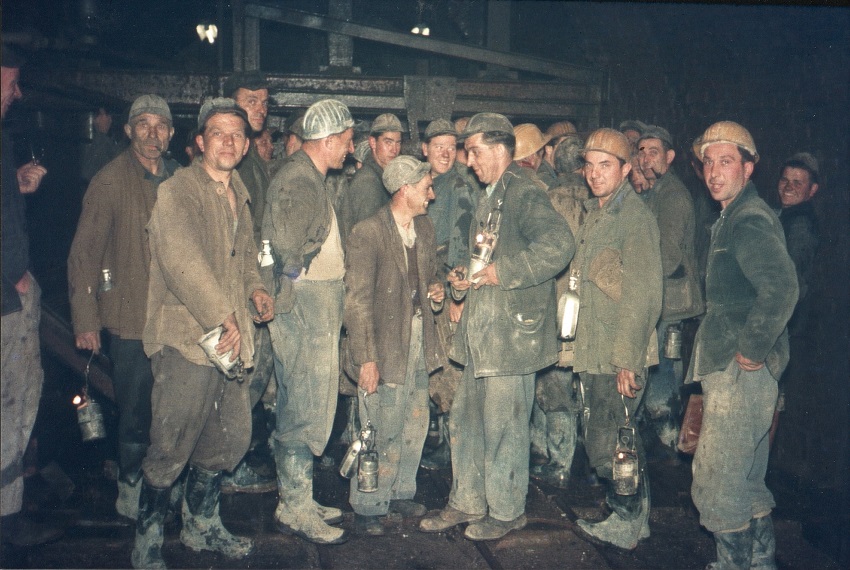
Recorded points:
427,291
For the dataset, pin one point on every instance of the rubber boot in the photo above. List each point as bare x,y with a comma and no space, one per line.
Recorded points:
561,439
296,512
537,434
764,544
628,524
202,527
246,479
129,481
734,550
153,504
441,456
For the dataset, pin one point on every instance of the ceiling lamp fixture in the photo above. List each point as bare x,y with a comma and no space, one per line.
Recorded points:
208,33
421,28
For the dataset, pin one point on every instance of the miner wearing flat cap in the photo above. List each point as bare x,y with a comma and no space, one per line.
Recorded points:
504,337
366,192
203,276
618,270
302,226
741,349
111,236
671,204
392,293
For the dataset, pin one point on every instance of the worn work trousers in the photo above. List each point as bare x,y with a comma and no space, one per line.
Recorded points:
490,444
731,457
132,381
20,392
662,397
399,413
306,348
199,417
607,415
259,376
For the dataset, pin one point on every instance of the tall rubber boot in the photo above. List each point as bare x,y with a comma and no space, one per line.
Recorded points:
202,527
537,434
153,505
764,544
628,524
296,513
734,550
441,456
561,439
129,480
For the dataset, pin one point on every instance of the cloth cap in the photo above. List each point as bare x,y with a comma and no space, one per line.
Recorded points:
295,124
560,129
656,132
325,118
529,140
386,123
11,58
250,80
633,125
608,141
804,158
153,104
362,150
404,170
219,105
487,123
725,132
439,127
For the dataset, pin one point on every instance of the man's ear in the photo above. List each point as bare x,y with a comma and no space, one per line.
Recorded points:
671,154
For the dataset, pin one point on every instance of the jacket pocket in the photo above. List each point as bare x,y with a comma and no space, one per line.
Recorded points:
679,294
606,272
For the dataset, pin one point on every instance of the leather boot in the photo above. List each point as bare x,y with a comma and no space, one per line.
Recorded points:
202,527
129,480
734,550
246,479
764,544
296,512
147,549
19,530
627,525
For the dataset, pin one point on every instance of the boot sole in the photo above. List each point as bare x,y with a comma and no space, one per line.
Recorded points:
249,489
286,529
448,525
599,542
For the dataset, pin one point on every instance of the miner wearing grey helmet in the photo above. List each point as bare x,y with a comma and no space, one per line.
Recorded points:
504,336
671,204
307,282
111,235
392,293
740,352
203,275
618,271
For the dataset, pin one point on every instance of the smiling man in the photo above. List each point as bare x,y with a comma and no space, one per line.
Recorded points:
111,235
203,275
619,267
741,349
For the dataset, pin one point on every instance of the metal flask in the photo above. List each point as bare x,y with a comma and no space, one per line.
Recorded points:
106,280
673,342
89,417
568,306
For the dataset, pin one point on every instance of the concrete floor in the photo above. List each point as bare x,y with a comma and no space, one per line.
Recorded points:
95,537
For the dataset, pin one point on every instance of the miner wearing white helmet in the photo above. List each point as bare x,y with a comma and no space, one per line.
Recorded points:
740,352
301,224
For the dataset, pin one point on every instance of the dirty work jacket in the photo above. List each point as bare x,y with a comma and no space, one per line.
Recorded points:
671,204
619,261
378,308
366,193
297,222
111,235
511,328
254,173
202,269
455,194
751,288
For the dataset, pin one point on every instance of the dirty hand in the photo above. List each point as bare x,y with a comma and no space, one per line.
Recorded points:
455,311
368,380
436,293
486,276
264,305
88,341
746,364
626,383
23,284
231,338
457,278
29,177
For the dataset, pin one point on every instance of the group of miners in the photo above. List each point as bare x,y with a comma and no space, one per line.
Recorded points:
429,288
